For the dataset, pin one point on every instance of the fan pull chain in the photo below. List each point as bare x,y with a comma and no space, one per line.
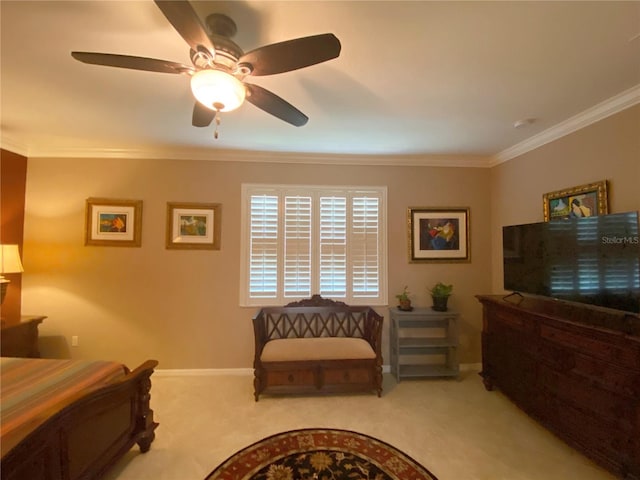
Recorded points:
216,117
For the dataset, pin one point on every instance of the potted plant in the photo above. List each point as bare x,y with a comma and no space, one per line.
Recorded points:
440,293
404,302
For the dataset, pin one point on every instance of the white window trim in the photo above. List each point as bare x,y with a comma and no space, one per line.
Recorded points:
275,189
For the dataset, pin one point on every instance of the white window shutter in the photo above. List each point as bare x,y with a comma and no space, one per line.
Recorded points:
263,264
365,248
333,247
297,246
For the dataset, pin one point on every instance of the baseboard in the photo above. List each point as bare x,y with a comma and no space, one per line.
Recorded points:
202,372
470,367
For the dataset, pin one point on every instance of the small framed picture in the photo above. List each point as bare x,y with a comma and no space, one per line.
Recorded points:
438,234
194,225
576,202
113,223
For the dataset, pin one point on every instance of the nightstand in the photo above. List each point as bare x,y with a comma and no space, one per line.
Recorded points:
21,339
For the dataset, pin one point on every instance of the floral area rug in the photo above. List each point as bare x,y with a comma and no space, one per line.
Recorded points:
322,454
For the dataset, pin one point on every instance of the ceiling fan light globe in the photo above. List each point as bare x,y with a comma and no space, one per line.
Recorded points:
218,90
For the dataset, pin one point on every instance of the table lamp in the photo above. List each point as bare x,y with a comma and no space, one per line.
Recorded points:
9,263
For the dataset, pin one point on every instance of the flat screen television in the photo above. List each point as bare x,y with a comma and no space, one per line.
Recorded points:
594,260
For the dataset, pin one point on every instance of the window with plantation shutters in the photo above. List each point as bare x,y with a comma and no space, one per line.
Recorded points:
301,240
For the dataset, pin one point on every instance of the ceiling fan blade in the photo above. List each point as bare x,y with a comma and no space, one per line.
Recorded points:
187,23
292,54
276,106
202,116
135,63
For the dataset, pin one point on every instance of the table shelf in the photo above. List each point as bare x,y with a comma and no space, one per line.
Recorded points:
424,343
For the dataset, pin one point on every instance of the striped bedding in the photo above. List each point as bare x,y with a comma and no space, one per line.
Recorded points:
30,387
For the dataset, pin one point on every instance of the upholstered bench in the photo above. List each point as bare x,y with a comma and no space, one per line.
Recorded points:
317,346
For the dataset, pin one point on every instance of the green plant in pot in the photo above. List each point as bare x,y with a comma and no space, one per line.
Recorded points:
440,293
404,302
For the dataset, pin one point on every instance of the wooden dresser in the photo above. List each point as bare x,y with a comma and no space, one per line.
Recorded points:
574,368
20,339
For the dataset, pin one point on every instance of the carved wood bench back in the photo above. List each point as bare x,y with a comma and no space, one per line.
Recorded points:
317,317
302,323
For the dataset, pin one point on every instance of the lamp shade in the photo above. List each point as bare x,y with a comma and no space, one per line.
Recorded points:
218,90
10,259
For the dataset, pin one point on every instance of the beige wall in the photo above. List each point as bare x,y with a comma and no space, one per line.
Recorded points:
181,307
607,150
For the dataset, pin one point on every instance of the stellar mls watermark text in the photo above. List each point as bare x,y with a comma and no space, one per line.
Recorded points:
616,240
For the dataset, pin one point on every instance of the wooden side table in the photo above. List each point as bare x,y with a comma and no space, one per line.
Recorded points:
21,339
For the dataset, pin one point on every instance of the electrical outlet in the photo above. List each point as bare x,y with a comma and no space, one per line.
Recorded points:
74,341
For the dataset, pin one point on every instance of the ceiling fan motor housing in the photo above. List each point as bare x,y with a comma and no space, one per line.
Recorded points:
221,29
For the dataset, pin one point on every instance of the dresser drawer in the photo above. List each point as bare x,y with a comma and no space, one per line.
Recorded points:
594,433
605,348
505,319
616,379
590,399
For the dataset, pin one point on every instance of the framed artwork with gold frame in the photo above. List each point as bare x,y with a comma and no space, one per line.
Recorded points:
576,202
113,223
194,226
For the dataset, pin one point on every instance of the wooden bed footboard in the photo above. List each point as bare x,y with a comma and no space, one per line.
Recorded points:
86,434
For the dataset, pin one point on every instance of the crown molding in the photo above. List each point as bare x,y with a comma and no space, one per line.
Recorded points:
592,115
9,144
609,107
229,155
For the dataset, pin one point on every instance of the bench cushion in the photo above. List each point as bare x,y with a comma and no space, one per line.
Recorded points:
322,348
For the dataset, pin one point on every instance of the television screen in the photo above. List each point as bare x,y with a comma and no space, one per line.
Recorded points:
593,260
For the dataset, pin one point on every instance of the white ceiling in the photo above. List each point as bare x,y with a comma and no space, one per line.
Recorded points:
414,80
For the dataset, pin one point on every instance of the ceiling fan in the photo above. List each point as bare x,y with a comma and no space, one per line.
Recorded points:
220,67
